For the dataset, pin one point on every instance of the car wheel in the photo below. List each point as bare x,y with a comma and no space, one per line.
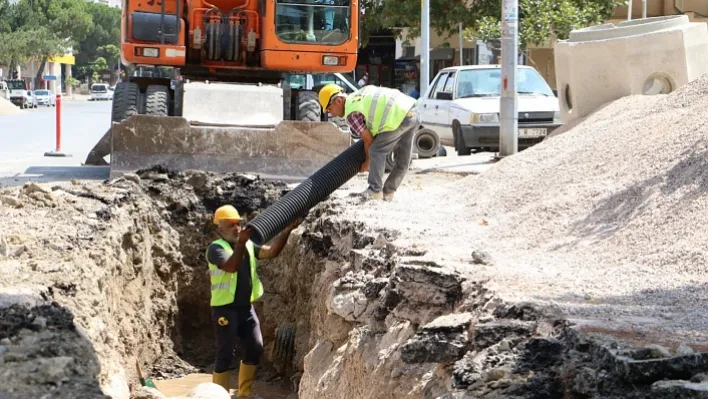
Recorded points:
460,146
426,143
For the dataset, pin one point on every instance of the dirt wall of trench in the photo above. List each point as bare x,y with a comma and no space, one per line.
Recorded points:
379,321
96,277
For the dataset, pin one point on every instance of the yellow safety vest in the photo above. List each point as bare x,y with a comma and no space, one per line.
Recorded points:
383,108
223,283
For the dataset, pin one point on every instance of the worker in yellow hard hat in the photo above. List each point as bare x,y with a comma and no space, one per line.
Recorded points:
234,287
386,120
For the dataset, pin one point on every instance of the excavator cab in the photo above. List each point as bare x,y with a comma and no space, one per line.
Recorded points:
231,60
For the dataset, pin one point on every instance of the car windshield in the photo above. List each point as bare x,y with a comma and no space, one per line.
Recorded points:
16,84
313,21
41,92
325,78
99,89
487,82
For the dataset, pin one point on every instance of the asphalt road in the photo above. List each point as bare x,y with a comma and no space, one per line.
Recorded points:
26,137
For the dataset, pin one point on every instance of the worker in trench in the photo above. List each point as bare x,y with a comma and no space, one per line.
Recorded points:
386,120
234,287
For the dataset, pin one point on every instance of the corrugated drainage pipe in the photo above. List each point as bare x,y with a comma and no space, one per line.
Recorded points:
307,194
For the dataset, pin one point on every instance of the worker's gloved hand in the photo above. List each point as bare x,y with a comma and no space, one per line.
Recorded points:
245,235
364,166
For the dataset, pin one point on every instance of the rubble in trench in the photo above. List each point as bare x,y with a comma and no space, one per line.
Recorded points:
97,276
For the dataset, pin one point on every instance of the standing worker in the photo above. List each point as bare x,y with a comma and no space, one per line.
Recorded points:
386,120
234,287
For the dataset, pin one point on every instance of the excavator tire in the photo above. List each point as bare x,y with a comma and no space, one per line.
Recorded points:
125,104
125,101
157,100
308,107
341,123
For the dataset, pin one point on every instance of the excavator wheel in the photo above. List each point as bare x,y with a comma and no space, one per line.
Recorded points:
157,100
308,107
125,104
125,101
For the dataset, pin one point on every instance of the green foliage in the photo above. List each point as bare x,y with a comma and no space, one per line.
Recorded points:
540,20
105,32
99,65
111,53
385,14
41,29
73,82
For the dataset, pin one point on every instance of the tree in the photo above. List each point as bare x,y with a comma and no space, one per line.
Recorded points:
14,48
60,24
111,54
444,16
540,20
105,31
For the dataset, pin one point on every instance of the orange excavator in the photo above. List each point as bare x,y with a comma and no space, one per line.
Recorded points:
209,88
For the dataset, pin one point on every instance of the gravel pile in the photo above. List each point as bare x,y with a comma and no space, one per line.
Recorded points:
8,108
609,219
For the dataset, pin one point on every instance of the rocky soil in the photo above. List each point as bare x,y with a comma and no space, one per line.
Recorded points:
96,277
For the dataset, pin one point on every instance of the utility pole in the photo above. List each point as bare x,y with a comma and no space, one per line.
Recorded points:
644,8
424,46
462,62
508,118
629,10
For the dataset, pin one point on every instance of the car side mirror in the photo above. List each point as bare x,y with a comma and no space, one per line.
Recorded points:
442,95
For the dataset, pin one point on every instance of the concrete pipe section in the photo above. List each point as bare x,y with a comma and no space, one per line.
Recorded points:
648,56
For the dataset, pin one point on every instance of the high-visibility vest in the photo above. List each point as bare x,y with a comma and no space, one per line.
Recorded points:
223,283
383,108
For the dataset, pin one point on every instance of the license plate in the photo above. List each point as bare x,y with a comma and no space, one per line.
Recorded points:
535,132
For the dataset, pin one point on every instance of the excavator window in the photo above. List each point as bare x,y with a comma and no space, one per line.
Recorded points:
313,21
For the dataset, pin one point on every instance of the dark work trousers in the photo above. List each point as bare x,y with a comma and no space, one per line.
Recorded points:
242,323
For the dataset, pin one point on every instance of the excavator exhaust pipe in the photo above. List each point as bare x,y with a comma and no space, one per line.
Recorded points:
289,151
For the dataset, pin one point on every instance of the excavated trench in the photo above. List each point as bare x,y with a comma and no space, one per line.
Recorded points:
346,312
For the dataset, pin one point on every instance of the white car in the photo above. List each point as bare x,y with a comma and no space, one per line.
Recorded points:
45,97
462,107
30,99
99,91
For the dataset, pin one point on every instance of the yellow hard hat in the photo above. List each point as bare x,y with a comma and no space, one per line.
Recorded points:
326,94
226,212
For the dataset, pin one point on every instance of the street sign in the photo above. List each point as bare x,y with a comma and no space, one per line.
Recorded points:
49,77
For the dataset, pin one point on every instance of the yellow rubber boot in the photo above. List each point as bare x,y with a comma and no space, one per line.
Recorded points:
246,376
221,379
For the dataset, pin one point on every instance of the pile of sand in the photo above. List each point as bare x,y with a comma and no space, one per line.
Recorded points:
608,219
8,108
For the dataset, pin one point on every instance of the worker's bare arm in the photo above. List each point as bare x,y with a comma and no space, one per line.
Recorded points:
273,250
218,256
368,139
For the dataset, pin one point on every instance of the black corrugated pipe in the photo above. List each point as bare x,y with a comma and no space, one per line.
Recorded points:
307,194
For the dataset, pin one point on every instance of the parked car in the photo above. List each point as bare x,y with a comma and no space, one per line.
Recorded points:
99,91
462,107
45,97
30,99
16,89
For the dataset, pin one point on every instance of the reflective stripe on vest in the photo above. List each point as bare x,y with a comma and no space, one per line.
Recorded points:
383,108
223,283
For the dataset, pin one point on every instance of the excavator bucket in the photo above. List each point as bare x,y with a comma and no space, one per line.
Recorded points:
289,151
